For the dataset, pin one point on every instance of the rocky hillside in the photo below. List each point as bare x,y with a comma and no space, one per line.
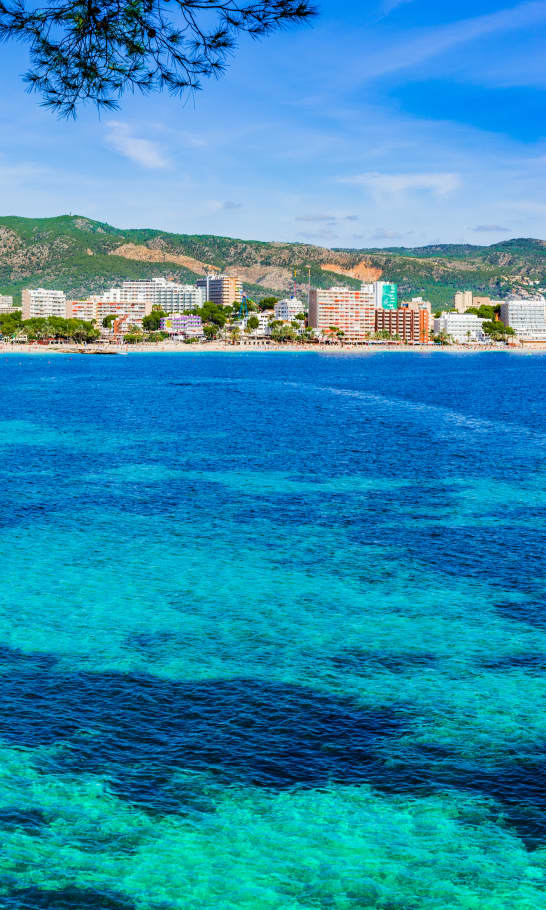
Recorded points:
82,256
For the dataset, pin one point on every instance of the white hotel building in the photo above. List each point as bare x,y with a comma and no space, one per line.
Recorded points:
158,292
461,327
526,316
6,305
41,302
288,308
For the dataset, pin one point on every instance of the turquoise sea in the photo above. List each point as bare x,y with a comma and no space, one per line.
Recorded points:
273,632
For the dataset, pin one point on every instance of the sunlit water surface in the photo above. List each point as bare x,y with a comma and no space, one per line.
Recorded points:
273,632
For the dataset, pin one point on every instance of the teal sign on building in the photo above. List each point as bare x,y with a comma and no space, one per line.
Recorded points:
389,296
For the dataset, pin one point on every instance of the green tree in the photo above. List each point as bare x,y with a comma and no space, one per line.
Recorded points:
152,322
283,333
10,323
210,331
497,330
108,320
95,50
267,303
213,314
252,324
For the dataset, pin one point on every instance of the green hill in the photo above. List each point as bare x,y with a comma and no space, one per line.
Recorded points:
81,256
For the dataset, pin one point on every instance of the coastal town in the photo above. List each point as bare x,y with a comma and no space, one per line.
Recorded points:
216,311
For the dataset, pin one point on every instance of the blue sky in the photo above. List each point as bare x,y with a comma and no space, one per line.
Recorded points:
396,122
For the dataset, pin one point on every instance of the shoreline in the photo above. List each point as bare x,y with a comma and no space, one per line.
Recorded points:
218,347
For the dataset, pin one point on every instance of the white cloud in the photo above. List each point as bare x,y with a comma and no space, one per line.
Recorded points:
390,184
142,151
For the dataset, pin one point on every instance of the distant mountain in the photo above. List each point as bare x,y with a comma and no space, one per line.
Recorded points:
81,256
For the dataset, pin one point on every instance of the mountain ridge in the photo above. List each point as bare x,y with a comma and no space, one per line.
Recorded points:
81,256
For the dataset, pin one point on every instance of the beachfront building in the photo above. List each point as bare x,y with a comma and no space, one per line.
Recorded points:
417,303
182,324
288,308
526,316
386,295
341,308
81,309
135,311
162,293
264,319
410,325
6,305
368,294
42,302
460,327
178,298
224,290
463,301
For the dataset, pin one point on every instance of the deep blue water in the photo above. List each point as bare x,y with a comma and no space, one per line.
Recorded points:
273,632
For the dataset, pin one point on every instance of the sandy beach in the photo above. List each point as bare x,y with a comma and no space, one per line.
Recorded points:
220,347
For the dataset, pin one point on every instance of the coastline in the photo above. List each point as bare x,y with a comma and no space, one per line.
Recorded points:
219,347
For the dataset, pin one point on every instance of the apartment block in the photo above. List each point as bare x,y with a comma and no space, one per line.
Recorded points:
386,295
182,324
42,302
460,327
344,309
178,298
6,305
411,325
81,309
224,290
289,308
135,311
417,303
527,316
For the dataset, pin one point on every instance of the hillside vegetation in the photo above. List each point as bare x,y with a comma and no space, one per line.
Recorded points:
81,256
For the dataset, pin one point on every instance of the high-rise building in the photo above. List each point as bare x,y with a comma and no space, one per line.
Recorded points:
463,301
526,316
416,303
81,309
158,292
342,308
178,298
386,295
289,308
411,325
382,294
224,290
42,302
135,310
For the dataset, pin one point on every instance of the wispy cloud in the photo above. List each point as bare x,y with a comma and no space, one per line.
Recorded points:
215,205
439,184
490,229
420,45
389,5
144,152
329,219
